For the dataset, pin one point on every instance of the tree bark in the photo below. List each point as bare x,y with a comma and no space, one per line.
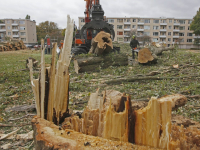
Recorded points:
94,64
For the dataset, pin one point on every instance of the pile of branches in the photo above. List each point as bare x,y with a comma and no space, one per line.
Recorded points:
12,46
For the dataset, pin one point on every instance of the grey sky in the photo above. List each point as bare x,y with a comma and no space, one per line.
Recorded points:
57,10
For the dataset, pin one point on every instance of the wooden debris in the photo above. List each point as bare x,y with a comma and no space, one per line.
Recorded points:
101,44
25,116
12,46
95,64
51,137
6,146
26,137
21,108
9,134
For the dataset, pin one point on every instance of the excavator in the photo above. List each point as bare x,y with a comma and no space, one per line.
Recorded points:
94,23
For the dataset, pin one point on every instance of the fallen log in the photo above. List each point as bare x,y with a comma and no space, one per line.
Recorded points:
94,64
101,44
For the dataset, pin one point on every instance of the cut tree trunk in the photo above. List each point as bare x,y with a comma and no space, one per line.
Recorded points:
94,64
101,44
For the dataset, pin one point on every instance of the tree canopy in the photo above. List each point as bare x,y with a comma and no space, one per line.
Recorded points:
28,17
195,25
50,28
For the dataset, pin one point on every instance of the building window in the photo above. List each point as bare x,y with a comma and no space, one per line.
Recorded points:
155,27
21,22
23,33
15,33
141,20
14,21
169,39
119,26
147,27
155,21
82,20
119,33
8,21
8,27
119,39
155,40
170,27
182,21
181,34
170,20
163,21
9,33
189,21
155,33
134,20
127,26
111,20
182,40
189,34
23,39
140,27
181,28
120,20
22,28
127,20
147,21
133,26
189,28
147,33
189,40
169,33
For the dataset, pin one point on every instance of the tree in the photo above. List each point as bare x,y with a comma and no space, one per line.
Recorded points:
50,28
28,17
145,39
195,25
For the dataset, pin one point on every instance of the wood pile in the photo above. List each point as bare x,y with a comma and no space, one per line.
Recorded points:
12,46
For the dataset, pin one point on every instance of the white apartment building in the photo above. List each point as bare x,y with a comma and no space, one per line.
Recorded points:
160,30
22,29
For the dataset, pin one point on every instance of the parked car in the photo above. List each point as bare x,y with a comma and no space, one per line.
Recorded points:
37,46
29,46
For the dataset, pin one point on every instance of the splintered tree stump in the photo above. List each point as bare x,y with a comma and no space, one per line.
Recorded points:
94,64
101,44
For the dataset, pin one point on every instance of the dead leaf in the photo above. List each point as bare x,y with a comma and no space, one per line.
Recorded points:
176,66
14,96
6,146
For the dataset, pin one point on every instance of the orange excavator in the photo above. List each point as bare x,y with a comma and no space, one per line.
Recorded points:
94,23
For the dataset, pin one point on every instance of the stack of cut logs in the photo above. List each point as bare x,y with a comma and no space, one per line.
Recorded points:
12,46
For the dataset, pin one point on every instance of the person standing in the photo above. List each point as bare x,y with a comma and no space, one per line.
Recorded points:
134,44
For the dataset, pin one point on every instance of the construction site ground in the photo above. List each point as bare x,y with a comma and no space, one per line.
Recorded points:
179,70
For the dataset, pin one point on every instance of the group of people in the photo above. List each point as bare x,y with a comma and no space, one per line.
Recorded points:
134,44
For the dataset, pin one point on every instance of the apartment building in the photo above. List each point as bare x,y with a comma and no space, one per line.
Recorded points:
22,29
160,30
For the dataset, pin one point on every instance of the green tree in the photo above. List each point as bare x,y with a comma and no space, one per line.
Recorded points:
195,25
50,28
28,17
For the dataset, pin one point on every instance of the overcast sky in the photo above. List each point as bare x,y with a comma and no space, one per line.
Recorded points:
57,10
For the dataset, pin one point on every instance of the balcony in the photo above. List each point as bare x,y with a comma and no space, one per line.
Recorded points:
15,24
127,29
140,29
163,30
127,22
162,36
2,30
15,30
163,24
140,23
197,37
176,30
15,36
175,36
176,24
126,35
162,42
140,35
2,24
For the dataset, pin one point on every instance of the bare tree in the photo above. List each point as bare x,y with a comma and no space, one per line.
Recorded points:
145,39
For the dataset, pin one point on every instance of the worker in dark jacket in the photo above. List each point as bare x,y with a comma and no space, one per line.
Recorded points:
134,44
